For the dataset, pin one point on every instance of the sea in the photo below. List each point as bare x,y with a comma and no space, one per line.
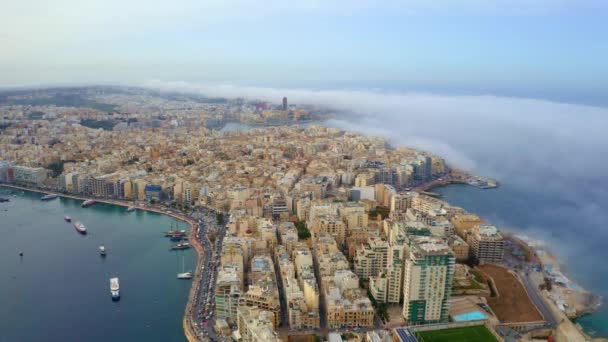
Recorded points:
59,290
525,211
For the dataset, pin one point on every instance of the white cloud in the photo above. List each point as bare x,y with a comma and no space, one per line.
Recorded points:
531,134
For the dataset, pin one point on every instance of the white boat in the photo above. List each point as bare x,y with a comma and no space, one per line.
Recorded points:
102,250
184,275
130,209
80,228
114,288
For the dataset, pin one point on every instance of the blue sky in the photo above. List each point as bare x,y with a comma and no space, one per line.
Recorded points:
468,45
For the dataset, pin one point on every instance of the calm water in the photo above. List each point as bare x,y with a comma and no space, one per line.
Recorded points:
59,290
531,212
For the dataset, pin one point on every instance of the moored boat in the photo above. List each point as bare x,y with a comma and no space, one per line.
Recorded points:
184,275
172,233
80,228
88,203
130,209
48,197
181,245
67,218
114,289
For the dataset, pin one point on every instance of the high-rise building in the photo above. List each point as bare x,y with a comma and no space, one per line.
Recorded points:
427,280
284,103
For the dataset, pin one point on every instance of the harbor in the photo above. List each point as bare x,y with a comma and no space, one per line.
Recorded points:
152,298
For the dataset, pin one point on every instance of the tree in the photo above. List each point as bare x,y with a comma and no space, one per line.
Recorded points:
56,167
303,232
220,218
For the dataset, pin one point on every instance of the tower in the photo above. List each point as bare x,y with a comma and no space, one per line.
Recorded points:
284,103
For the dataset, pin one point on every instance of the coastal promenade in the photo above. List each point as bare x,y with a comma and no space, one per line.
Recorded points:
191,332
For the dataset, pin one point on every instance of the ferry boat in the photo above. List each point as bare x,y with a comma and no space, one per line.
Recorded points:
181,245
48,197
102,251
130,209
114,289
67,219
80,228
88,203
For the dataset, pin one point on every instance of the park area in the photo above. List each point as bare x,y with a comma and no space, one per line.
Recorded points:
477,333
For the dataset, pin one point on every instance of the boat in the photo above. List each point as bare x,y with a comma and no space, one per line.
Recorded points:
177,238
184,275
102,251
130,209
181,245
48,197
88,203
114,289
67,219
2,199
175,232
80,228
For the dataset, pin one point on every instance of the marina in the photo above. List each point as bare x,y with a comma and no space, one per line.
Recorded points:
152,299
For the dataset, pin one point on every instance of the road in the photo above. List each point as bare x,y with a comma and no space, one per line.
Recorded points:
535,295
201,307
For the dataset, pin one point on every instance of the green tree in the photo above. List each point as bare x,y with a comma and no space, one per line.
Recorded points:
303,232
220,218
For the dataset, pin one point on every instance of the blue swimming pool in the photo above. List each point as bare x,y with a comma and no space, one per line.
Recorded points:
469,316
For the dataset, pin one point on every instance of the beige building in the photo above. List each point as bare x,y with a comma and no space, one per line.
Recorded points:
255,324
346,304
371,258
365,179
487,244
354,215
330,224
459,247
464,223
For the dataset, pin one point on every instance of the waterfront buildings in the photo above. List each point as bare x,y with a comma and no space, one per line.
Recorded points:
487,244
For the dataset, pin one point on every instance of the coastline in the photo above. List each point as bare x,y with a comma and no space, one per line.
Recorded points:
567,299
188,323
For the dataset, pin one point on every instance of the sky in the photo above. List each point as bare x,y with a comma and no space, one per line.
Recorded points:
544,48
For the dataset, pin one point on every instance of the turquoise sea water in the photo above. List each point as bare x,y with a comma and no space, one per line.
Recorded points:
529,212
59,289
